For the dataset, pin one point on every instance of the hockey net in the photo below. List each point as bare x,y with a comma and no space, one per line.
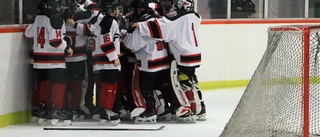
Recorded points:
283,96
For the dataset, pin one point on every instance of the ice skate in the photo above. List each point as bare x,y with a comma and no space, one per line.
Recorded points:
96,114
187,118
60,117
78,115
167,115
108,117
46,119
146,118
164,117
35,115
125,115
38,113
202,115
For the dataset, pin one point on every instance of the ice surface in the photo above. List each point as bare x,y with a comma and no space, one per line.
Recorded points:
220,106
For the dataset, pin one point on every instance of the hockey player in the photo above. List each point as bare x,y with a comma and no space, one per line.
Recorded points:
180,29
49,48
76,64
105,59
106,52
152,59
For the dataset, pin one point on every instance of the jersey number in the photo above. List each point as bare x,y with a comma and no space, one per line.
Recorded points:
41,36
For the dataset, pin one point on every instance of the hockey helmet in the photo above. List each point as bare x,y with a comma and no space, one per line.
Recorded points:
143,3
183,4
108,5
80,1
157,7
52,6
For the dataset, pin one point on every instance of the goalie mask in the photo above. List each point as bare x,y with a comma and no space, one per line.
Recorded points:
183,4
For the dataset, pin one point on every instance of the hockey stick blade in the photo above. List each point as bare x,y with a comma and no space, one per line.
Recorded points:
105,129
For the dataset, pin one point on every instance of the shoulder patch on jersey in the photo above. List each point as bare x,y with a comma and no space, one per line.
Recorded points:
179,13
56,22
105,24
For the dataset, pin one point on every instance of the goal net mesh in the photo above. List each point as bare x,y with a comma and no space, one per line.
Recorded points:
273,104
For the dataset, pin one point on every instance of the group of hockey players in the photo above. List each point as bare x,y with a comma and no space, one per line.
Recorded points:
140,56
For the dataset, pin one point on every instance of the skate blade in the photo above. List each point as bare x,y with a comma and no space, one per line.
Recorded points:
201,117
143,120
189,119
166,117
78,117
57,122
43,121
109,123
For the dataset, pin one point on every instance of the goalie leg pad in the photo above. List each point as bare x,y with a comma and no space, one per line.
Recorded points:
181,97
185,82
190,96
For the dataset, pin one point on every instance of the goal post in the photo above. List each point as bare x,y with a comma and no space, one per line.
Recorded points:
283,95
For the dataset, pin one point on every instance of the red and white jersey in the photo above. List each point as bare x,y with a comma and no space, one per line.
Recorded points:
80,32
107,43
48,46
152,55
180,29
79,50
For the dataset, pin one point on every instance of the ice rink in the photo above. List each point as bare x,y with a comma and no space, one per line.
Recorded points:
220,106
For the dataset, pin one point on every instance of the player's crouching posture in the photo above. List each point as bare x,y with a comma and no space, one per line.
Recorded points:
49,49
183,20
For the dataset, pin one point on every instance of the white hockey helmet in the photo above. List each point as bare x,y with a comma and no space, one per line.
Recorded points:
183,4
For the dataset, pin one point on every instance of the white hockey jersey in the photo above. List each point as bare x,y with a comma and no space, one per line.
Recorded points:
107,43
49,46
80,32
151,55
180,29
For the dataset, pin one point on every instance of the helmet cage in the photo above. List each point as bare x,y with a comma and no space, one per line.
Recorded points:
183,4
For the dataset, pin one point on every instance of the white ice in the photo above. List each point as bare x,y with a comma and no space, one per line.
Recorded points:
220,106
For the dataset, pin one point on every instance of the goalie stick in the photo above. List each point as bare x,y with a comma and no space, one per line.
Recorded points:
136,94
105,129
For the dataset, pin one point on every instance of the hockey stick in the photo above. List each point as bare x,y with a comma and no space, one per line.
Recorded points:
105,129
